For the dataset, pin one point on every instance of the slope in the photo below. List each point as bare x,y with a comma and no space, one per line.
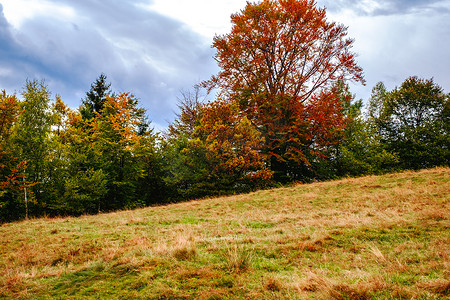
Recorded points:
376,237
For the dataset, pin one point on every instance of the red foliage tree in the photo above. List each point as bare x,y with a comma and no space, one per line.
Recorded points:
279,64
10,169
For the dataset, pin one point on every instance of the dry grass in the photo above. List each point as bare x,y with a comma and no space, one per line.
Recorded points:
383,237
238,259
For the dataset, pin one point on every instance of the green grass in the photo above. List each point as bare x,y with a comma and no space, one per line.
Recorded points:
384,237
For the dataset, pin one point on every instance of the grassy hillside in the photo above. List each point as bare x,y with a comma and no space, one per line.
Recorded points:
384,237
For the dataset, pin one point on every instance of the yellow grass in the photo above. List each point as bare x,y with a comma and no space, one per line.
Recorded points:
384,237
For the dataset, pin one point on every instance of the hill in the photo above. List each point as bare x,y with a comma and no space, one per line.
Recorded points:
376,237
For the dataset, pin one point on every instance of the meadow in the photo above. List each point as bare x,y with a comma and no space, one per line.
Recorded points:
375,237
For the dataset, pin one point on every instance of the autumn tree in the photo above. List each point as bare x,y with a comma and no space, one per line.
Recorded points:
178,174
13,180
279,64
113,164
9,112
115,134
220,156
190,107
9,166
233,147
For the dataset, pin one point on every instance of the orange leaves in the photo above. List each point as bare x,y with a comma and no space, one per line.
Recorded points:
325,118
9,112
118,121
232,143
121,115
74,118
279,65
285,47
15,178
114,128
11,171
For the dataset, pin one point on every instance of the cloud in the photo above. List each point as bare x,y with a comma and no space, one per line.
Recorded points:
11,54
402,7
140,51
154,54
386,7
206,17
395,39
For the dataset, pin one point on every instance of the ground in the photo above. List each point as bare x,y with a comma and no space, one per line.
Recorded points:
376,237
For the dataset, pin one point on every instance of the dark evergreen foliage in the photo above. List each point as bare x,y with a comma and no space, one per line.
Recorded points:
95,98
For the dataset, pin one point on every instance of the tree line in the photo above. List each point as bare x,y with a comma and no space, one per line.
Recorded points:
284,113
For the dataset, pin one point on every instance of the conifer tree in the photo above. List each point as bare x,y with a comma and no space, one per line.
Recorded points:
96,97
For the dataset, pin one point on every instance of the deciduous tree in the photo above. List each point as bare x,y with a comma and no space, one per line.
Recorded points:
13,180
10,167
233,147
414,121
222,155
279,64
31,134
118,135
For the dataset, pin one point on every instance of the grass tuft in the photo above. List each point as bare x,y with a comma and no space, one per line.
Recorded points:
439,287
346,292
238,258
272,284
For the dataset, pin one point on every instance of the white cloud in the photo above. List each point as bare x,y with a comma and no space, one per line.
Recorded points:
18,11
204,16
398,43
369,6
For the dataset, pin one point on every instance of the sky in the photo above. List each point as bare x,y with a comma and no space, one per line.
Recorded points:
156,49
